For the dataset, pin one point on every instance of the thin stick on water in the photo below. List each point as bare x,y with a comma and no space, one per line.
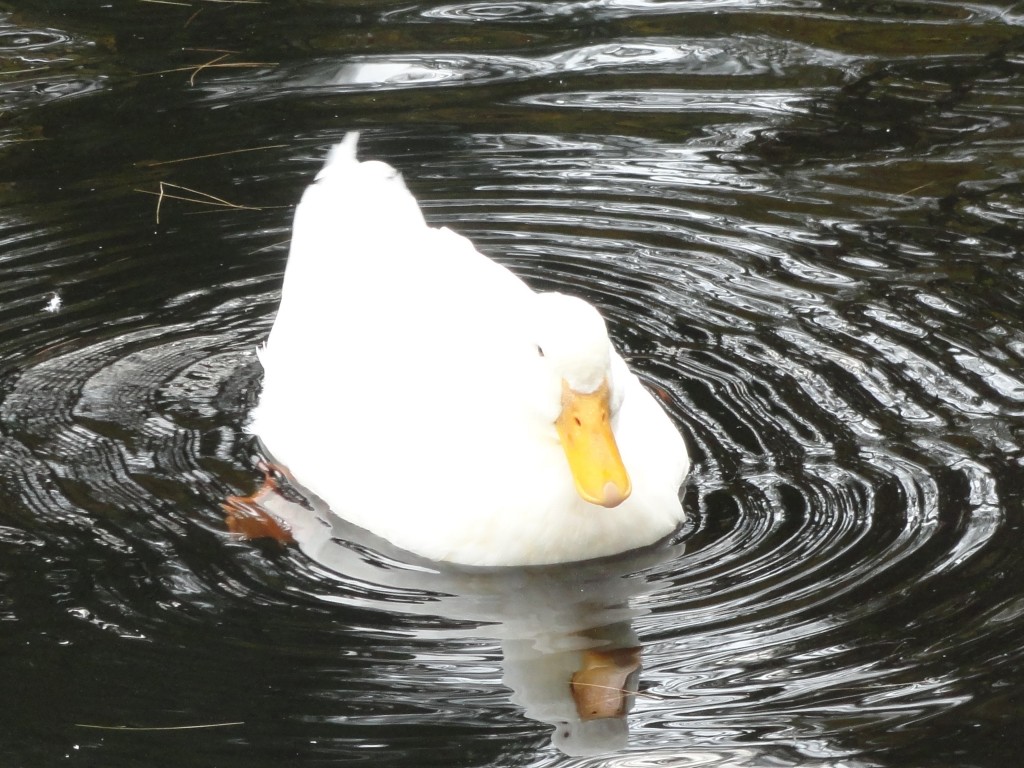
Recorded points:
217,2
200,198
154,163
617,689
918,188
156,728
216,63
207,65
23,71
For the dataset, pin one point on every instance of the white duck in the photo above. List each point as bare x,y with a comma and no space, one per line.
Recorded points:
427,394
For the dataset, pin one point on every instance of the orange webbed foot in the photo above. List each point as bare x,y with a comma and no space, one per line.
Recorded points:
247,518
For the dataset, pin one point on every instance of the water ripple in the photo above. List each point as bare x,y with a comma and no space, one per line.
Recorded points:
39,66
849,389
655,57
919,12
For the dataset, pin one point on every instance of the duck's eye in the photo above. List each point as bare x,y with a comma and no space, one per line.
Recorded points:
540,350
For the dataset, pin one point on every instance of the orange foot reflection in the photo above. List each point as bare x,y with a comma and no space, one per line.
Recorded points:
602,686
246,516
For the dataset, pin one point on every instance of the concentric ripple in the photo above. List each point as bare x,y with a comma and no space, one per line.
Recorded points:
802,222
846,475
40,65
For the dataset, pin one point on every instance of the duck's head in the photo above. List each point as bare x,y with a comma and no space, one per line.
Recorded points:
575,358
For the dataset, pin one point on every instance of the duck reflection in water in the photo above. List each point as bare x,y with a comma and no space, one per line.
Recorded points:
570,654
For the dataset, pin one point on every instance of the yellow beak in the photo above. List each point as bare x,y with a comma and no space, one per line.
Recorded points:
585,430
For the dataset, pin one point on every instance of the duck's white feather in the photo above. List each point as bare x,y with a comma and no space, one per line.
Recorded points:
403,385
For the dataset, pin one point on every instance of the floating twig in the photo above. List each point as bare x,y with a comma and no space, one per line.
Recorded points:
201,198
212,63
156,728
918,188
269,247
625,691
218,2
215,63
154,163
23,71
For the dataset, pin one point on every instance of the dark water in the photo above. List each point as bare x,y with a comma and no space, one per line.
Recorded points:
804,222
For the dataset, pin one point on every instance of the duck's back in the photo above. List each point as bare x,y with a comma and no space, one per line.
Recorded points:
361,250
385,323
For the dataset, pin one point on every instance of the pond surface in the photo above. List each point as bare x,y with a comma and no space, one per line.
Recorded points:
803,221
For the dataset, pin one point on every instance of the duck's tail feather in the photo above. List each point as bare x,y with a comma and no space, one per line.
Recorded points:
350,195
341,158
